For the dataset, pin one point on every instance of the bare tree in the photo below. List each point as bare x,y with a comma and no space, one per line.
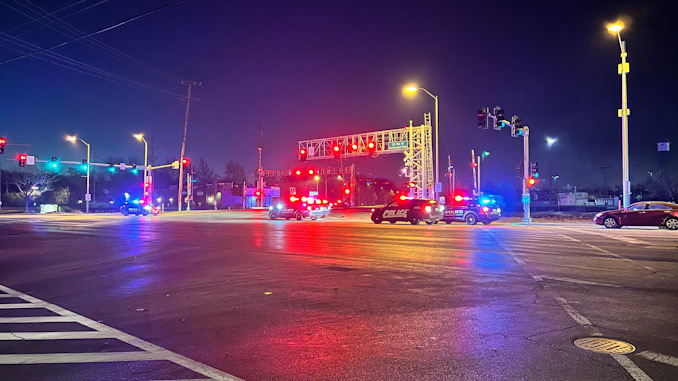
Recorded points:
204,173
32,185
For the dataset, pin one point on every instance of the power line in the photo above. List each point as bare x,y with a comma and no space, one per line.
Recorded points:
93,33
71,31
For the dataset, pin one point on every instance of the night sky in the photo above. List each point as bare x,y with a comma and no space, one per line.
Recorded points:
313,69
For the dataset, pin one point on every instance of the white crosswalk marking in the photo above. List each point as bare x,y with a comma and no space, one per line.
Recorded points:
147,351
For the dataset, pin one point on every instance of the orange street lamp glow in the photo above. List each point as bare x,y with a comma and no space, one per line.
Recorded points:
71,139
616,27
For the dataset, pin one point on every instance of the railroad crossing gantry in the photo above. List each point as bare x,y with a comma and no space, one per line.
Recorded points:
329,171
414,141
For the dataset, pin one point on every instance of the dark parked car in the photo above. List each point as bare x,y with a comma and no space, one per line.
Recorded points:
646,213
409,210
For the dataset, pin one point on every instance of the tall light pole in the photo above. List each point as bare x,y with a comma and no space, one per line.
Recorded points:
412,89
141,137
549,143
88,196
623,113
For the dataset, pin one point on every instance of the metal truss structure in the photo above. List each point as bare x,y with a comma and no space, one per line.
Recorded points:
328,171
414,141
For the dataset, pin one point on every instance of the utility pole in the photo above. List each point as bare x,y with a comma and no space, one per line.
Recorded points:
260,169
449,175
526,174
190,84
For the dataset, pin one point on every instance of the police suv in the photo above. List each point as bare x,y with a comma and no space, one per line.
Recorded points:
472,210
300,208
409,210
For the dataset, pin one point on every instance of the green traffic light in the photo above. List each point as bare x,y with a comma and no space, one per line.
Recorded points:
135,171
536,174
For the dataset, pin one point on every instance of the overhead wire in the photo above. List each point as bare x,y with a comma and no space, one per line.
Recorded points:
75,65
71,31
43,50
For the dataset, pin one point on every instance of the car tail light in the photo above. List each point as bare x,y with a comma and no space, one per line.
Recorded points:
485,209
403,198
325,202
427,209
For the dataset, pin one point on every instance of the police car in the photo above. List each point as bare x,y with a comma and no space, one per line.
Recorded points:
472,210
409,210
136,207
300,208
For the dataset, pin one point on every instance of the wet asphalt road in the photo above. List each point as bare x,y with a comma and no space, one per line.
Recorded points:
337,299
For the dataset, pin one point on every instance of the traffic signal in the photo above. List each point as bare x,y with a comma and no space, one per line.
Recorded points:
111,168
336,151
347,191
534,169
22,160
257,193
83,166
3,141
499,121
482,119
531,181
134,169
371,147
311,172
354,147
185,162
303,154
147,185
55,162
297,172
53,165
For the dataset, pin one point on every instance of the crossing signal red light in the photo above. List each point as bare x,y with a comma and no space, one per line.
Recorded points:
297,172
347,191
303,154
257,193
354,147
371,147
411,185
336,151
311,172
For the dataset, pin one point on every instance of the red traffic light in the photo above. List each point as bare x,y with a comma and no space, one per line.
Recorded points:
303,154
184,162
336,151
297,172
354,147
311,172
371,147
257,193
531,181
347,191
146,185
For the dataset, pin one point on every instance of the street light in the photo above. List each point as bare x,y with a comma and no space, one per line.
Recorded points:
550,142
623,113
412,89
74,139
140,137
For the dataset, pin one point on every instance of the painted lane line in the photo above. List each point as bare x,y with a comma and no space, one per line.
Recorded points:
72,358
626,363
623,258
10,306
152,349
570,280
8,296
73,335
658,357
38,319
635,372
606,235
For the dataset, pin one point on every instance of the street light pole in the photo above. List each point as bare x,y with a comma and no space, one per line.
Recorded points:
412,89
142,138
74,139
549,143
623,113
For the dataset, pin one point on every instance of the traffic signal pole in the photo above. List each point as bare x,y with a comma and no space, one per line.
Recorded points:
526,174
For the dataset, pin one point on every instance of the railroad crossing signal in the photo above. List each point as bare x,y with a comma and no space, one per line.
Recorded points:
303,154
